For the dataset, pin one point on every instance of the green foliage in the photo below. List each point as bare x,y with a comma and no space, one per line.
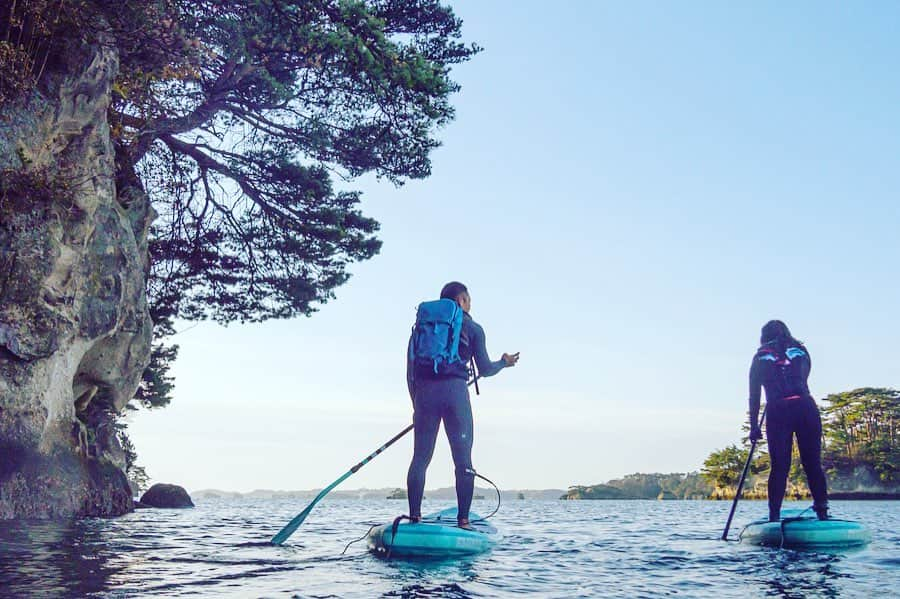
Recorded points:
862,429
723,467
638,485
156,387
685,486
650,486
26,36
596,492
24,188
135,473
15,72
237,136
37,192
238,129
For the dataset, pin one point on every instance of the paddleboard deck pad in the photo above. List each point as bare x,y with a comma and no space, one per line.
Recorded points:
436,536
800,529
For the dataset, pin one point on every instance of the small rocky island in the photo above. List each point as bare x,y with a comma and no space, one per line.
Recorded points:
163,495
397,493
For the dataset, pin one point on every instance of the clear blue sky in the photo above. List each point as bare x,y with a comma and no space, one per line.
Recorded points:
630,190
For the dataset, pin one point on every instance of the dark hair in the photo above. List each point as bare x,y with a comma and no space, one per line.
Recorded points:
778,332
452,290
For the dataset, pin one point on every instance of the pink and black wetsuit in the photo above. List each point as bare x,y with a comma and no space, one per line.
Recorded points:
782,368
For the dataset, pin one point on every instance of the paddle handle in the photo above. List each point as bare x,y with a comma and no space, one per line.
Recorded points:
740,487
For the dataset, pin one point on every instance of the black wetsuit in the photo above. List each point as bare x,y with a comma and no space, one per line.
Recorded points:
791,410
446,397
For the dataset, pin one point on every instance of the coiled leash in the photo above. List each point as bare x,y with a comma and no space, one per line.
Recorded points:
781,525
490,482
394,528
791,519
358,540
395,525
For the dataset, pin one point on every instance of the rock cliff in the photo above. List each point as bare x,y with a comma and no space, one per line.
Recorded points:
75,331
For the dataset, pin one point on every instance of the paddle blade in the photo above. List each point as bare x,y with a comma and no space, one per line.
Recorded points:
292,526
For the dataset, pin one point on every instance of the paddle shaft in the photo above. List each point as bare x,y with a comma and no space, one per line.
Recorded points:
380,449
294,524
740,487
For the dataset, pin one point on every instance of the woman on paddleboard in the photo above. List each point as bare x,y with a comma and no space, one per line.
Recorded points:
442,394
782,365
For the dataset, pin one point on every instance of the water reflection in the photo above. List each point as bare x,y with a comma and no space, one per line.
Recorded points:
54,556
798,574
432,579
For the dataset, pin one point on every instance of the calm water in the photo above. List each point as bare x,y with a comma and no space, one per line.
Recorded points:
550,549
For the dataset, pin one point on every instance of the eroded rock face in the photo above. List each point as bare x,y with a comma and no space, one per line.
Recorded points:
74,327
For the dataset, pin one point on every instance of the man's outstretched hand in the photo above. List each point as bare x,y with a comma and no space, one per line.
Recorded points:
511,359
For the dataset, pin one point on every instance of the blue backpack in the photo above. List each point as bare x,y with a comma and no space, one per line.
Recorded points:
436,335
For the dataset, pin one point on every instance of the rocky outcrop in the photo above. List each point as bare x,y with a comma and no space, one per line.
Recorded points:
166,496
860,481
397,494
74,326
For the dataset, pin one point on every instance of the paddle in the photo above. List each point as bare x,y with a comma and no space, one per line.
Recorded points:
737,495
294,524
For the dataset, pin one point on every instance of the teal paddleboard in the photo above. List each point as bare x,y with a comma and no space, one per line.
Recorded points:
801,529
436,536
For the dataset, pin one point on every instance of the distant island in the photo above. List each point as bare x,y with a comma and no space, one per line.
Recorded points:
689,485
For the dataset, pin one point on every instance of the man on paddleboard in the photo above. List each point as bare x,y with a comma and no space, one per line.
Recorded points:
437,371
782,365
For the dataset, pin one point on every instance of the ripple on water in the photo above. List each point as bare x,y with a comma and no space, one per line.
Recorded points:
550,549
